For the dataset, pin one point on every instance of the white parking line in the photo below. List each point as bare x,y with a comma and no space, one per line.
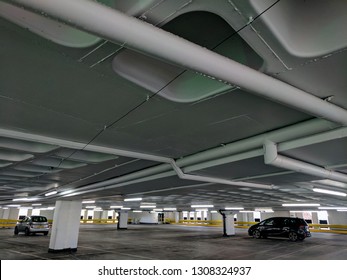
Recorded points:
27,254
125,254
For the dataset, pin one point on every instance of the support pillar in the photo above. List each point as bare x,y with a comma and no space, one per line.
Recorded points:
122,220
177,217
66,223
228,222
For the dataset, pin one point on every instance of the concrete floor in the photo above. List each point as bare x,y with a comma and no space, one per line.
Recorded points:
173,242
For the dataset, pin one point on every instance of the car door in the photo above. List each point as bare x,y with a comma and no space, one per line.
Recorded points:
22,224
273,227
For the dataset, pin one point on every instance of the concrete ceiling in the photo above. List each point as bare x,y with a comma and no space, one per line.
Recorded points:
90,118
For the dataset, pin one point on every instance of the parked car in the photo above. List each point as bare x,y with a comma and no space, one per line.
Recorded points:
32,224
292,228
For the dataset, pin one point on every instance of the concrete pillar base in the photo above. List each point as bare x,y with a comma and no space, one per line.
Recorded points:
67,250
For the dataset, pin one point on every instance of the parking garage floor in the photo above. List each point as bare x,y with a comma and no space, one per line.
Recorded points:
173,242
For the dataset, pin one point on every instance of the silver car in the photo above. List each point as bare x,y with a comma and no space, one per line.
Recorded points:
32,224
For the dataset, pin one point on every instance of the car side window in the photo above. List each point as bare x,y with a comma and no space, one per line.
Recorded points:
269,222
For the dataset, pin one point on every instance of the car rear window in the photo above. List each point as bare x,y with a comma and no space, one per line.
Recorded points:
39,219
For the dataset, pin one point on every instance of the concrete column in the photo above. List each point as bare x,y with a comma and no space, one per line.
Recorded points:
337,218
104,215
177,217
122,220
228,223
11,213
30,211
85,215
180,215
1,213
64,234
315,218
97,214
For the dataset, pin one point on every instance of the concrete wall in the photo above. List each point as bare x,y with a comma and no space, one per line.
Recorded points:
335,217
47,213
144,217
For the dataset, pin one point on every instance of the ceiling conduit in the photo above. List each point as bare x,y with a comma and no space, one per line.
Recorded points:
140,36
272,157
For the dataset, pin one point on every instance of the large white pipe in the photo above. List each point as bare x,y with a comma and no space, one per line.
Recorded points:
146,38
272,157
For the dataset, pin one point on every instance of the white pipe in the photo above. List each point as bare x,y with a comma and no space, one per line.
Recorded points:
80,146
313,139
207,179
272,157
146,38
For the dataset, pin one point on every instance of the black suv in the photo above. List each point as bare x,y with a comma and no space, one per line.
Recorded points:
292,228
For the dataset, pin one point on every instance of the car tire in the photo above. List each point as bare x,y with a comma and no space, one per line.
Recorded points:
27,231
293,236
256,234
16,231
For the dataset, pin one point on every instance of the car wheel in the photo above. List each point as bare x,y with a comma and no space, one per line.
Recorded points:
27,231
16,230
256,234
293,236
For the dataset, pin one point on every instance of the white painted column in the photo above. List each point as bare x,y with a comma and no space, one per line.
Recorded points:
228,223
177,217
1,213
11,213
122,220
104,215
315,218
66,223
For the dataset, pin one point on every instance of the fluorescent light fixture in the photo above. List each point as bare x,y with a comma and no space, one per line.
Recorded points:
147,206
25,199
202,206
88,201
90,207
148,203
125,208
67,192
342,210
36,204
246,211
98,209
158,209
13,205
170,209
137,211
300,204
51,193
72,194
133,199
332,208
51,208
116,206
214,211
329,192
234,208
